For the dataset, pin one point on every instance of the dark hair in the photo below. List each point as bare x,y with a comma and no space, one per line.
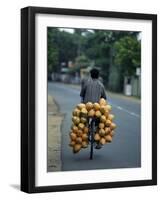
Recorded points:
94,73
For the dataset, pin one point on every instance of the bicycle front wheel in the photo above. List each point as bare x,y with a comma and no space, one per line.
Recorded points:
92,139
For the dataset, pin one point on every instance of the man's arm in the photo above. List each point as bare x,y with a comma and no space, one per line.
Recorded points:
83,91
103,95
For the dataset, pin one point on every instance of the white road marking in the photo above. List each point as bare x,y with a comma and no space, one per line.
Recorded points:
125,110
120,108
134,114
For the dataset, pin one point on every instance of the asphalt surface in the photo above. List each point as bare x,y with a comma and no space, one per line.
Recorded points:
125,149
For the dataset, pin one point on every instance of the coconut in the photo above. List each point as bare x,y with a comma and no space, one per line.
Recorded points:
78,140
106,113
79,133
76,112
98,114
110,117
84,112
97,137
73,136
72,143
102,102
85,130
89,106
83,120
107,130
81,105
96,106
103,118
103,109
108,123
109,107
84,137
102,141
81,126
101,125
84,144
75,120
77,148
91,113
74,129
113,126
108,138
101,132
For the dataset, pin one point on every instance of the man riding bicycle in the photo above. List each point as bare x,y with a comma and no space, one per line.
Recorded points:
93,90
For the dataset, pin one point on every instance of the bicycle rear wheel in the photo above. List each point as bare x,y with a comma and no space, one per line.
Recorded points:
92,138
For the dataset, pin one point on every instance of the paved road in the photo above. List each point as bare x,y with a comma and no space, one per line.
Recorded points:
125,149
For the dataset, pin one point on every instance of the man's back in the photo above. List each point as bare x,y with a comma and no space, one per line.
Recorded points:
92,90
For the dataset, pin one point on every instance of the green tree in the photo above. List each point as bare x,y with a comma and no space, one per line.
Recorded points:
66,45
100,47
97,49
116,53
81,61
128,54
52,53
61,48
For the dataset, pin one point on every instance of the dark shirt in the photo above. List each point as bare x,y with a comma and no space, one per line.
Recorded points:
92,90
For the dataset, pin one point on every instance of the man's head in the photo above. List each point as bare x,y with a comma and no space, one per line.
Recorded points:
94,73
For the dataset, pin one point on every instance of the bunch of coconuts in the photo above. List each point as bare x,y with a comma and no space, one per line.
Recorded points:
79,129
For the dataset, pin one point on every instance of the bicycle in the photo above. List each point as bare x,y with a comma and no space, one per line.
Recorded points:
92,124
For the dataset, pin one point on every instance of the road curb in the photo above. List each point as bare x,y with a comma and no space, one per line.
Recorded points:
54,136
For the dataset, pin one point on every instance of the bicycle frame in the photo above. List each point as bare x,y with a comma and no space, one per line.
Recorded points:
92,130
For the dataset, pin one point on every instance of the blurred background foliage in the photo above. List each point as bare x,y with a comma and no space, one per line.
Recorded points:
116,53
